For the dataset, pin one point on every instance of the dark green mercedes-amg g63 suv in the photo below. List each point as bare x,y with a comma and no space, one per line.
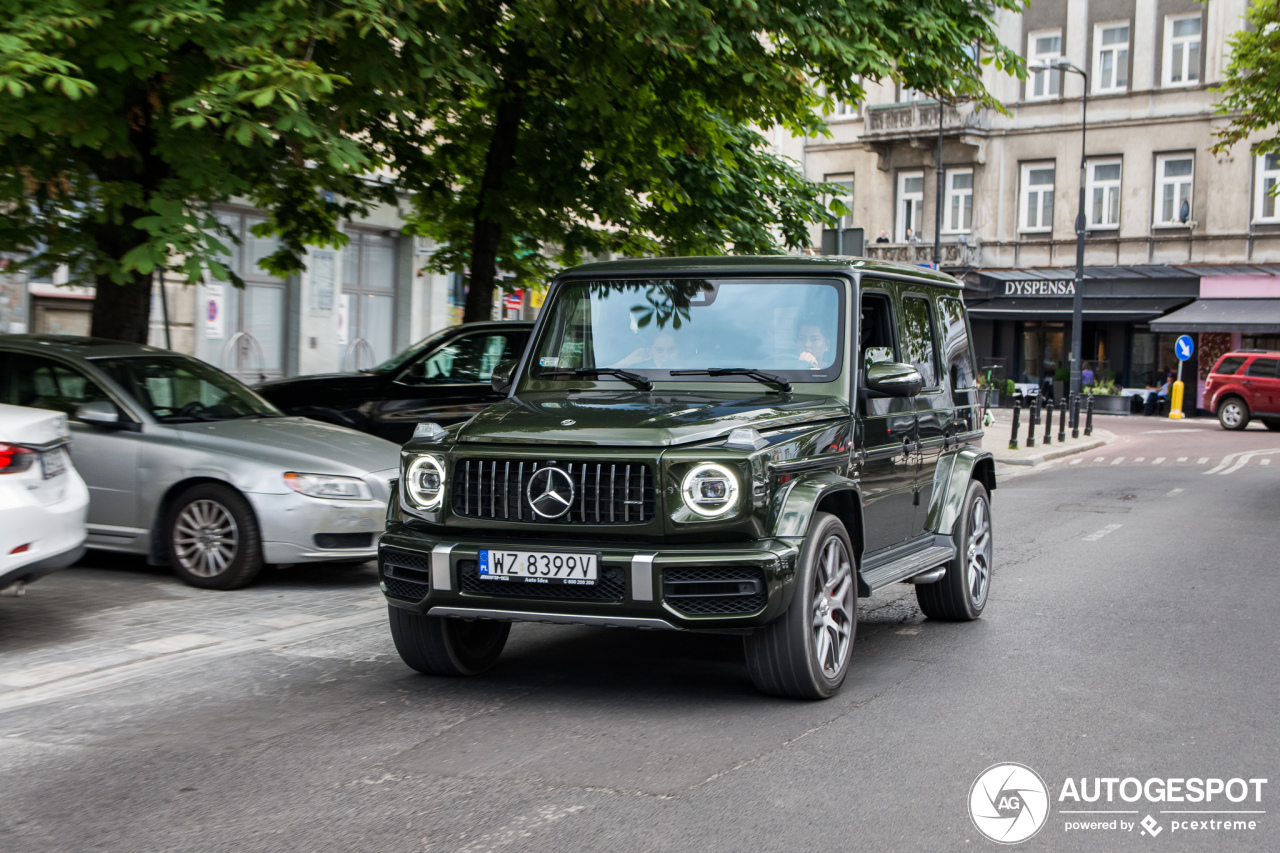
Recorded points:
725,444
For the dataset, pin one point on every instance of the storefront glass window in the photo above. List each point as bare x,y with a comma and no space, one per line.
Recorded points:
1042,352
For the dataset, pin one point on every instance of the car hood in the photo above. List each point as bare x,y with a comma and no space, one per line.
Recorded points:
295,444
640,419
327,381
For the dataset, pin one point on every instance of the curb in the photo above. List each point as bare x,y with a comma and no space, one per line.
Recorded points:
1053,454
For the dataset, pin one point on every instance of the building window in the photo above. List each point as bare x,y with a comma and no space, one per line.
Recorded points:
1110,58
908,95
1181,50
1103,192
910,204
1266,208
1173,189
1042,48
845,181
959,209
842,109
1037,197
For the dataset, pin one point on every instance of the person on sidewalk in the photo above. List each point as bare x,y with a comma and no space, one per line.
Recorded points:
1158,396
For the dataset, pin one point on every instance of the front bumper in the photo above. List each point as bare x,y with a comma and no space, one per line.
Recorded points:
290,522
431,580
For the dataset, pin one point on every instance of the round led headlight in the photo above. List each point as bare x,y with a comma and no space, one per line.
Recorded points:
424,482
710,490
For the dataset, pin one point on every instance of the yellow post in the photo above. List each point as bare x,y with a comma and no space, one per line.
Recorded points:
1175,396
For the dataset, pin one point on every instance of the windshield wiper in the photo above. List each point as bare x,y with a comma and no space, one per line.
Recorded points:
258,415
641,382
769,378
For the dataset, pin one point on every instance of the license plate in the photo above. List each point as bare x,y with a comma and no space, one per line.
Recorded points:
575,569
52,463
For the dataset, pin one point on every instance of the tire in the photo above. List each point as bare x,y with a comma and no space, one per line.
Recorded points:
792,658
212,538
448,647
1233,414
961,594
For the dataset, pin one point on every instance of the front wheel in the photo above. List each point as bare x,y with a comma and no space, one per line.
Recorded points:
1233,414
213,539
804,654
961,594
449,647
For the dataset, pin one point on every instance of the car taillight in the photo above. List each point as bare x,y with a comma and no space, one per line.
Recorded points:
14,458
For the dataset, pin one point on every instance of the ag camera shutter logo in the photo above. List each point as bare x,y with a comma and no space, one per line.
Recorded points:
1009,803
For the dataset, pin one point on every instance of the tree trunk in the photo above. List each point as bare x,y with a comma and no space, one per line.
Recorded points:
486,232
122,311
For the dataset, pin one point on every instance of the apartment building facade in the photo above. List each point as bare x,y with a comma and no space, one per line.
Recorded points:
1167,221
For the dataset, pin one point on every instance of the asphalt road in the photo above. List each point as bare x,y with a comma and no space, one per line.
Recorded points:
1131,633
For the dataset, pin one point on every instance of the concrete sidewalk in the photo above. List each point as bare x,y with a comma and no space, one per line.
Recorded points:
996,439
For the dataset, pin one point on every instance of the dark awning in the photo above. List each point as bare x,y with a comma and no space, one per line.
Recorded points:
1249,316
1096,309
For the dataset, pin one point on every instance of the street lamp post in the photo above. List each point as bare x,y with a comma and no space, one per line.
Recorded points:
1077,300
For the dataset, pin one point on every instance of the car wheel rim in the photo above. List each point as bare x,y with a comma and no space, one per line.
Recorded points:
833,607
978,558
1231,414
205,538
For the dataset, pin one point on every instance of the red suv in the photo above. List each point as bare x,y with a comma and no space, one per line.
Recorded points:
1244,385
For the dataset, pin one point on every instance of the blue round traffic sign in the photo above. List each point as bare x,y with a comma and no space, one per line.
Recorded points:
1183,347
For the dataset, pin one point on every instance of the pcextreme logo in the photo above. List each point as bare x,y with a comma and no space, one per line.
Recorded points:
1010,802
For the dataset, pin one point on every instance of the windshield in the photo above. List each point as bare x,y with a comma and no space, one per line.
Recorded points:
176,389
405,356
792,329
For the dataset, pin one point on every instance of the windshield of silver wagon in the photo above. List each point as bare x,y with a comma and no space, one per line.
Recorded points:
793,329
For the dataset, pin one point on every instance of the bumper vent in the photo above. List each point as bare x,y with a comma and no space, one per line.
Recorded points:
610,587
406,575
343,540
603,492
714,590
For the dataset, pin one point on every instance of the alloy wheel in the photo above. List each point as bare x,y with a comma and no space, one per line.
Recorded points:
1232,412
205,538
978,558
833,607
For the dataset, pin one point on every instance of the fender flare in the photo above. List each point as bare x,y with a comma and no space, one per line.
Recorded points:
801,501
951,483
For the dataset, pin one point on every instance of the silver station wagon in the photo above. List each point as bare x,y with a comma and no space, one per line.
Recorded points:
191,468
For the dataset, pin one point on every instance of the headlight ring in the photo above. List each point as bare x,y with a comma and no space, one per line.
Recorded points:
710,490
424,482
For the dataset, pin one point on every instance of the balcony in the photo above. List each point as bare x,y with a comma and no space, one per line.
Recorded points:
953,254
894,122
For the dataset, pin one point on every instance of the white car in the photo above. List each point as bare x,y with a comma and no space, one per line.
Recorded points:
43,501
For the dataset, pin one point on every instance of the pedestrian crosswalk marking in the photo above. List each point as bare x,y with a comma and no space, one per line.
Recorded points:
1117,460
1264,461
1202,460
1140,459
1157,460
1182,459
1094,537
1099,459
1076,461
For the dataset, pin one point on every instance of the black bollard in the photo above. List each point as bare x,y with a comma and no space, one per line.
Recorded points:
1075,415
1048,421
1032,423
1017,415
1062,422
1088,416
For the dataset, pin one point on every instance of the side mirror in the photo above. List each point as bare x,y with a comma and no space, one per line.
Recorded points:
98,412
502,374
891,379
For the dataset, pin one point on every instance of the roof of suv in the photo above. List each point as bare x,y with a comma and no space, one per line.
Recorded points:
761,263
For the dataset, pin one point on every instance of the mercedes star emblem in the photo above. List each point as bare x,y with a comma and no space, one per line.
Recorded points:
568,422
550,492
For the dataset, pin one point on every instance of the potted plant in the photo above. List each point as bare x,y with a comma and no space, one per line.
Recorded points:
1106,399
1060,377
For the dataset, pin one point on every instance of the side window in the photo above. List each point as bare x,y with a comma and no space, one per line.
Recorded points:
468,359
1263,368
1228,366
45,384
875,331
918,334
956,353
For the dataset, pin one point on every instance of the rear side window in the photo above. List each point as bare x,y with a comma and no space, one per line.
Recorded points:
918,334
1264,368
1229,365
956,353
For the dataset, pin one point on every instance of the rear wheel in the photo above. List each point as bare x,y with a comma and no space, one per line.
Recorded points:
212,538
961,594
449,647
1233,414
805,653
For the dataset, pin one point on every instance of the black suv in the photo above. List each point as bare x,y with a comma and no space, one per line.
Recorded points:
723,444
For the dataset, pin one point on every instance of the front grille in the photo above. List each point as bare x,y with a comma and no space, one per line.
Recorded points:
603,492
611,586
714,590
407,575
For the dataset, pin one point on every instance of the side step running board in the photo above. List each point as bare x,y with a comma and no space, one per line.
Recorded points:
909,566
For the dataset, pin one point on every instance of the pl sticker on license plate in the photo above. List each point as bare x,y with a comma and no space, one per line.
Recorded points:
539,567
